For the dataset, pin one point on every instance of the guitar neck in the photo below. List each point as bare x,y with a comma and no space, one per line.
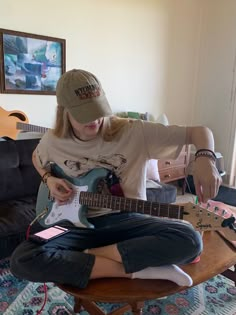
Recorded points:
132,205
29,127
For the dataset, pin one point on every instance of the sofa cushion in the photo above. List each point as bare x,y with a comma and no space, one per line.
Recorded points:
18,176
15,217
152,170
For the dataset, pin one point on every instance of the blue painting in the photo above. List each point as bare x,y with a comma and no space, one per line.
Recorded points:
31,64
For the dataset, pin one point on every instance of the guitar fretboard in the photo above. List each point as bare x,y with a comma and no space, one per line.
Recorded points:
133,205
29,127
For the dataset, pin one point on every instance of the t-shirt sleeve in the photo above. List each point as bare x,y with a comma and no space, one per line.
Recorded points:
164,141
41,152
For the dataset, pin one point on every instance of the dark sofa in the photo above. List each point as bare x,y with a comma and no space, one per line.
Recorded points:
19,184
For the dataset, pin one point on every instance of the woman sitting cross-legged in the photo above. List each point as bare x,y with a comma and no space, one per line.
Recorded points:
86,138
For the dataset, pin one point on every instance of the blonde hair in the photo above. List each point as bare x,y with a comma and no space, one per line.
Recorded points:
110,129
113,127
62,128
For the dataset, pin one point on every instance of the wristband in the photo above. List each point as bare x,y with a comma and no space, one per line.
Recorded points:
206,150
45,177
205,153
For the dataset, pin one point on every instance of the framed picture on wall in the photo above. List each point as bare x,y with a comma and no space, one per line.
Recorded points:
30,64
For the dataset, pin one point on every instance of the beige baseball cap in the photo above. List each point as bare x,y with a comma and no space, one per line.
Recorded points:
81,93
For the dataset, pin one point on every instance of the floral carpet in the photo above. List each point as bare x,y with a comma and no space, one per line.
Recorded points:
17,297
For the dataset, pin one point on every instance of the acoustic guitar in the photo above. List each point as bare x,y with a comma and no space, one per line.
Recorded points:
30,128
50,213
14,122
8,121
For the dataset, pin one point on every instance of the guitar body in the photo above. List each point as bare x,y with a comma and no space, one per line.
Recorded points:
8,121
72,211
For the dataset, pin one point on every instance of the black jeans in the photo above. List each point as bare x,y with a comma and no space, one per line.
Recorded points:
142,241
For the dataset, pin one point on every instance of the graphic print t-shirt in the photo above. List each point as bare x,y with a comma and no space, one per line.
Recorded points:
126,156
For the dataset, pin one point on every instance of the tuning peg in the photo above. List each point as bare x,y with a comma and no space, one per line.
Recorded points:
229,222
232,227
216,209
224,212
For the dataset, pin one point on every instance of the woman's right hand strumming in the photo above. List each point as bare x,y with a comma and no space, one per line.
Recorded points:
59,189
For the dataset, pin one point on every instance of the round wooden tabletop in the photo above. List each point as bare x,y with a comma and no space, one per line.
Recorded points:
218,255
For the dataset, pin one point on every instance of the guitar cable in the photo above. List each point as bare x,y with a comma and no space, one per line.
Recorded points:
39,216
42,214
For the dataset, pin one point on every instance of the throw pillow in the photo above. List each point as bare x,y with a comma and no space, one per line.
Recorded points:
152,170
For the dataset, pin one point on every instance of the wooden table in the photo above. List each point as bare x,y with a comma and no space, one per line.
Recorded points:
218,255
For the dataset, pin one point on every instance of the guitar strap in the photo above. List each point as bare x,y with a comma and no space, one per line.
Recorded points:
113,184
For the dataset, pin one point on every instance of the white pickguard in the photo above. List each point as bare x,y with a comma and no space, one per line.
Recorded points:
69,210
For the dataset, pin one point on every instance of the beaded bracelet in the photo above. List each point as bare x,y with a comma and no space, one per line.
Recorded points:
45,177
205,150
205,153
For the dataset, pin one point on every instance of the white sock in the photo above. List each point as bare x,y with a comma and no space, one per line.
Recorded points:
170,272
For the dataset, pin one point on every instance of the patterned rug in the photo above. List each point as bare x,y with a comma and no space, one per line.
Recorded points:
216,296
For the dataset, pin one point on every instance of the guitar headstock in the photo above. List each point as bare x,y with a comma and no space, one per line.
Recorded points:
204,219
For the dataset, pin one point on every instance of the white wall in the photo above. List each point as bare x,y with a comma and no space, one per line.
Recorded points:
171,56
182,59
215,104
143,51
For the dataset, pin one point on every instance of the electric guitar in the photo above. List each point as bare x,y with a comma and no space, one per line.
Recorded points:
50,213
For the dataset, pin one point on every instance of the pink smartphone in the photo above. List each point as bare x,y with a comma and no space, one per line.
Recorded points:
48,234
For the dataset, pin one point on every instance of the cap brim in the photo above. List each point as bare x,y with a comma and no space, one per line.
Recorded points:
91,110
